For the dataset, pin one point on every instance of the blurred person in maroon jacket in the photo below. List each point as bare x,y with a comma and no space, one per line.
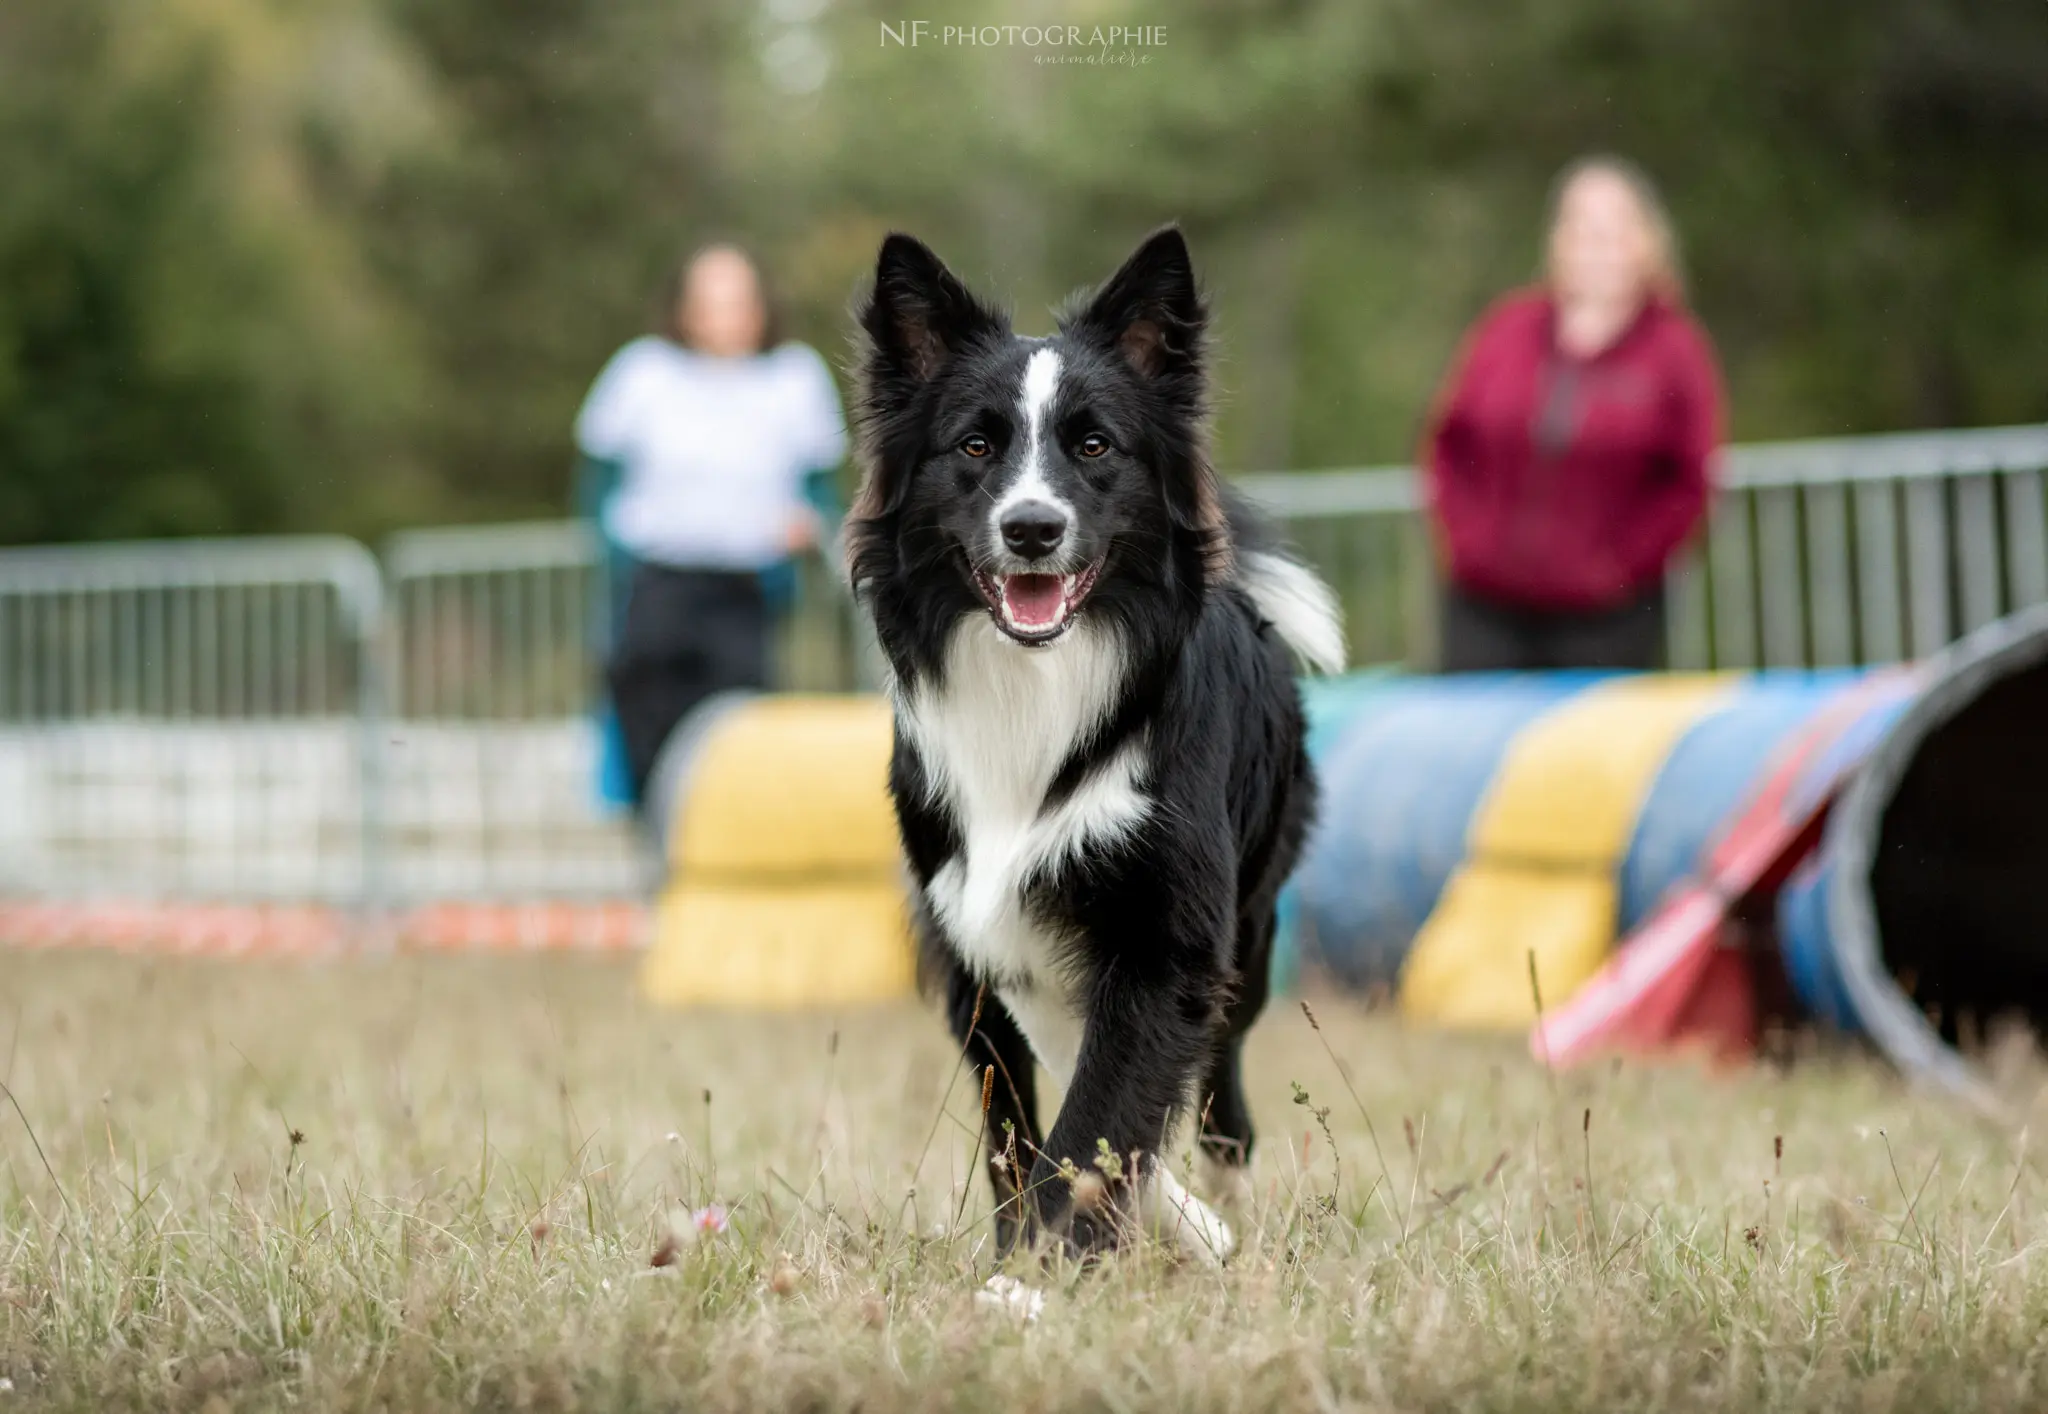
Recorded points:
1569,454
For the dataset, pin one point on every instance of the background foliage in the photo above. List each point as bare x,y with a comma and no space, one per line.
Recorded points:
286,264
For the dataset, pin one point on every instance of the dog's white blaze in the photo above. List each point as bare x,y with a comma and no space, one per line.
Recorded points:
1041,382
992,742
1165,1206
1300,605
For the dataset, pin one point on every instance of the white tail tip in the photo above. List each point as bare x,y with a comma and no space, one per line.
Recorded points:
1300,606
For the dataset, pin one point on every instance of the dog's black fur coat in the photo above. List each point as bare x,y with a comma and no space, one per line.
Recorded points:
1162,929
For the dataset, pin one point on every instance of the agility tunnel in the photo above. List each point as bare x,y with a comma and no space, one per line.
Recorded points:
1659,850
1922,917
782,883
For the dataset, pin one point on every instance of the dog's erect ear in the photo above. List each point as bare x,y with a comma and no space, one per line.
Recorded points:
919,314
1151,313
916,319
1150,310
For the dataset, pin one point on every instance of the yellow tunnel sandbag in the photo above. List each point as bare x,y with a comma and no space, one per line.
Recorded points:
786,885
1475,970
780,946
1545,850
787,785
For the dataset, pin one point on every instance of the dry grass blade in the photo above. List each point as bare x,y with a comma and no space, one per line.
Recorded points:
55,1182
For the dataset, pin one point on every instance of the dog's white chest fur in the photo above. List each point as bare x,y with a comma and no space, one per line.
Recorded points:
991,741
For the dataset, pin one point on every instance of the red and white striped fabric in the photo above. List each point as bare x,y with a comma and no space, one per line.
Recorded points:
288,930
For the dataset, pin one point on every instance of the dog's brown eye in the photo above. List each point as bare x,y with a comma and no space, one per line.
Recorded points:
1094,445
976,446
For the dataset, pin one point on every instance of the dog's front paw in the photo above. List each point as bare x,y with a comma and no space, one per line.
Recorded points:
1093,1223
1076,1215
1010,1297
1194,1227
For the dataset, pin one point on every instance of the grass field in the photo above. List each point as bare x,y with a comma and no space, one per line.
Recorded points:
442,1183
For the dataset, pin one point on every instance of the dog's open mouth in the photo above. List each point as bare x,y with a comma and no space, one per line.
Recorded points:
1035,608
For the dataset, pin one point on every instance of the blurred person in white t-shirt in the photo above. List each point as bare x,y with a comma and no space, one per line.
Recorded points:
700,441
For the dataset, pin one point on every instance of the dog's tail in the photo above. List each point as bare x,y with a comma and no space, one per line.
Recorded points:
1301,607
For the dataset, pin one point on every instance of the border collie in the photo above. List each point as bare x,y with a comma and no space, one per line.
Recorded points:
1099,770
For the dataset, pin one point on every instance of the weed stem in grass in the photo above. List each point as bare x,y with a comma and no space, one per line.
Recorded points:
1371,1131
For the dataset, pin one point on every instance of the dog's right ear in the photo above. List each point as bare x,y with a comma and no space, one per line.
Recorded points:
919,314
915,320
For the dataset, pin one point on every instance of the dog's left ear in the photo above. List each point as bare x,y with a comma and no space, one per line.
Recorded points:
1150,309
1152,314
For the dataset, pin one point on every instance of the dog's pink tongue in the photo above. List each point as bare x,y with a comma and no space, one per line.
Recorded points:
1033,599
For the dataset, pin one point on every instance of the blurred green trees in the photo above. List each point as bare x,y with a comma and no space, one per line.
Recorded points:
181,346
284,264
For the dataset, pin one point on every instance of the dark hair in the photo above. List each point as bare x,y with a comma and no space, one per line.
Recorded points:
668,321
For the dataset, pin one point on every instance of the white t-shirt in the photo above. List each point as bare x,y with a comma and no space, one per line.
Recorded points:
714,450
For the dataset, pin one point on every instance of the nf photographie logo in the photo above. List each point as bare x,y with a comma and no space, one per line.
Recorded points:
1124,45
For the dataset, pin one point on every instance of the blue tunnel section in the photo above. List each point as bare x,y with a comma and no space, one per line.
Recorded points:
1402,774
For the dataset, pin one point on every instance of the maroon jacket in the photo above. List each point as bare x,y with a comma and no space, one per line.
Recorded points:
1562,483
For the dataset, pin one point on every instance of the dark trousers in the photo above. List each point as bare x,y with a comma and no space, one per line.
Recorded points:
1480,635
684,635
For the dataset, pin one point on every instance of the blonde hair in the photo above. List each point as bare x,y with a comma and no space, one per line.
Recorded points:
1663,273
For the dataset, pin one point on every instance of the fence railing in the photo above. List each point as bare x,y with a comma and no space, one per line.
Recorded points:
1819,553
494,643
298,719
505,622
192,718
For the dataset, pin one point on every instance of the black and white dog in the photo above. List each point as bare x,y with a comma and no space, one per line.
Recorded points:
1099,770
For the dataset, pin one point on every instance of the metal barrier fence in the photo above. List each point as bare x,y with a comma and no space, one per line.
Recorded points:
505,622
1819,553
495,638
194,718
493,648
286,719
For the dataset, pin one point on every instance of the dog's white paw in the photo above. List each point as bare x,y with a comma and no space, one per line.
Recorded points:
1194,1225
1010,1297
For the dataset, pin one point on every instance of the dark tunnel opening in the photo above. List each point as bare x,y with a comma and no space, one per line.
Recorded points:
1959,879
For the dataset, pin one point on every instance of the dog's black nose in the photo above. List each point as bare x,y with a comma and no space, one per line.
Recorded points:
1034,529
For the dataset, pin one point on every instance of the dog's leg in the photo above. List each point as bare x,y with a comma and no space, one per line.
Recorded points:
1141,1049
1011,1135
1226,1141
